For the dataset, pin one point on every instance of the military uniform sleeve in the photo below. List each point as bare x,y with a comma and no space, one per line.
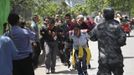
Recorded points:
122,37
93,34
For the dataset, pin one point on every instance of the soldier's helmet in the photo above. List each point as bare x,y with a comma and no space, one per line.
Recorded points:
108,13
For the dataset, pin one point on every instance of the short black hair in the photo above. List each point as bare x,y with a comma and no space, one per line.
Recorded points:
13,19
52,21
68,15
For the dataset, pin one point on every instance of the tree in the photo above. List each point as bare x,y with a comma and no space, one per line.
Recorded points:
45,8
5,9
50,7
22,7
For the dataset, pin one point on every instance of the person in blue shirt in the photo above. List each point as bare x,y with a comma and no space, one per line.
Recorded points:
8,52
22,64
36,43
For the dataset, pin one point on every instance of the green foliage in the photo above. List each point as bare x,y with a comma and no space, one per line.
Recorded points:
45,8
27,4
5,9
50,8
118,5
40,7
78,9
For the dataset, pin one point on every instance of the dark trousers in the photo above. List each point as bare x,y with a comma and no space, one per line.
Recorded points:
67,52
81,63
23,67
60,52
36,53
42,43
50,56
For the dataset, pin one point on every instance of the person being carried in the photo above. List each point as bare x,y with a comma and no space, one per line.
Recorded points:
81,53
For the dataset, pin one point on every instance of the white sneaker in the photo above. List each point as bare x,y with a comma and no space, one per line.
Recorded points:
71,68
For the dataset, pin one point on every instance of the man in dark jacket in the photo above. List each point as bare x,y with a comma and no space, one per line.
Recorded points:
51,45
110,39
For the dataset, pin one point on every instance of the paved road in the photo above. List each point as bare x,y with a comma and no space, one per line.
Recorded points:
128,52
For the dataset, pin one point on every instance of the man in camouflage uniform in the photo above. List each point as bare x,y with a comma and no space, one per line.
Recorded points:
110,38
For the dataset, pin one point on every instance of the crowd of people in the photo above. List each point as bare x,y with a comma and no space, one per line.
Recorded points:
22,43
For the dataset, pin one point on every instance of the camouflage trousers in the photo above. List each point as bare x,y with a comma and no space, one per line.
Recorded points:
109,69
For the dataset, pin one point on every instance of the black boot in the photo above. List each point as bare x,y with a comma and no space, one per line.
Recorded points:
89,66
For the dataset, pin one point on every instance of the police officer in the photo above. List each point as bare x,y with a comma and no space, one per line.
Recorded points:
110,39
